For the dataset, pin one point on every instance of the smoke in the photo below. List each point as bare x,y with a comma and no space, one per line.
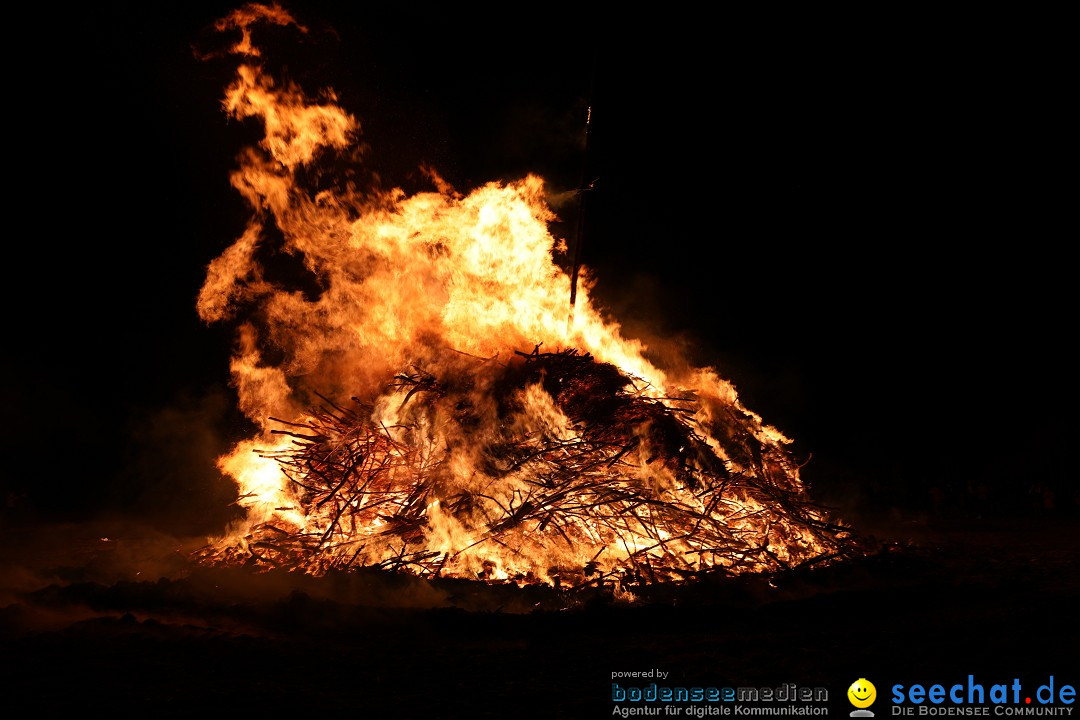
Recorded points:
171,480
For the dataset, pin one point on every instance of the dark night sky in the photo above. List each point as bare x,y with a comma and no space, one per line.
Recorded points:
859,220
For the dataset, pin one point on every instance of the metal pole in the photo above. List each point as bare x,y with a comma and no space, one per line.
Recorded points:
579,234
583,187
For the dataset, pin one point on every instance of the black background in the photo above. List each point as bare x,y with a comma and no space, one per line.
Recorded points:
859,218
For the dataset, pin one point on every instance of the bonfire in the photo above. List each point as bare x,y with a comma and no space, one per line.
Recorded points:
429,408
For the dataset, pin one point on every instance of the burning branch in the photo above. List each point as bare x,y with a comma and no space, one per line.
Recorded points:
584,466
628,488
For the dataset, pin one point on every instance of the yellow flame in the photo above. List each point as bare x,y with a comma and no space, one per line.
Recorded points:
401,279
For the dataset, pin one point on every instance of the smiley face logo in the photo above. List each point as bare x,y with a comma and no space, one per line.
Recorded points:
862,693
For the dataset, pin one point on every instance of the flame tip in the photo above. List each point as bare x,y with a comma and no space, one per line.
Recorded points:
480,457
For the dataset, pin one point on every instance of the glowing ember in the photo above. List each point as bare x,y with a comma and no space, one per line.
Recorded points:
485,437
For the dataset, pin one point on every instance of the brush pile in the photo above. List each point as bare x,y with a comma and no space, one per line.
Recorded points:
551,468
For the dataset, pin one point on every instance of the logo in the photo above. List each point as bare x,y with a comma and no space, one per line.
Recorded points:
862,695
975,698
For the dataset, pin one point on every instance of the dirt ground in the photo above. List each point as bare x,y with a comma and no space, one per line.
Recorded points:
112,616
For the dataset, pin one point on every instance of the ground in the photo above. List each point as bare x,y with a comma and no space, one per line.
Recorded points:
129,624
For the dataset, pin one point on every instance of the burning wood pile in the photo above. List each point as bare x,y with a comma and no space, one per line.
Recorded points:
603,485
586,465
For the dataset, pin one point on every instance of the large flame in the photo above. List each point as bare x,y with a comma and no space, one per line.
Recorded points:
435,280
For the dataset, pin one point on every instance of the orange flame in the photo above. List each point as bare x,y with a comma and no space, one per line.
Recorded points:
400,280
243,18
